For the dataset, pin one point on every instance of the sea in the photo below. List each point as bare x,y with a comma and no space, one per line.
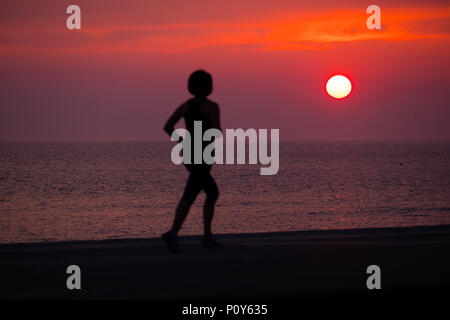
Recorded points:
63,191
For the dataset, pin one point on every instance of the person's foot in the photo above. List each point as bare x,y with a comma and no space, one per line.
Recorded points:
171,240
208,241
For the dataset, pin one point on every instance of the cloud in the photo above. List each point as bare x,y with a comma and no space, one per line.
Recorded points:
301,30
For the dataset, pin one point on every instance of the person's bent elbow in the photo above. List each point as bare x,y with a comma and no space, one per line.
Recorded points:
168,130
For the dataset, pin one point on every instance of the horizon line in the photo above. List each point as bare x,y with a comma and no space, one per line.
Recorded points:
169,141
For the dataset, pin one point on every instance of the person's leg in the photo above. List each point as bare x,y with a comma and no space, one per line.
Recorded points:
208,214
190,193
192,189
212,193
180,215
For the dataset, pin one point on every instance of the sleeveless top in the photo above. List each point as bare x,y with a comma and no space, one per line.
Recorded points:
192,114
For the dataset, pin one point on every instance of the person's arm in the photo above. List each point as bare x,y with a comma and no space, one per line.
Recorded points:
173,119
215,117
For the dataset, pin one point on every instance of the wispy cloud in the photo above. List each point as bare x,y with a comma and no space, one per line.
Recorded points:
306,30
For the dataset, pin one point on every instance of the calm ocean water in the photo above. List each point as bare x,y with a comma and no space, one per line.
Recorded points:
80,191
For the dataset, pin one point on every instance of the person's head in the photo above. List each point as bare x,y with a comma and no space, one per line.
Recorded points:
200,83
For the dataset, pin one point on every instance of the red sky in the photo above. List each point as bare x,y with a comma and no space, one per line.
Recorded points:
124,72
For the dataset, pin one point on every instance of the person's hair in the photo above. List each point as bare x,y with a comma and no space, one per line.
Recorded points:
200,83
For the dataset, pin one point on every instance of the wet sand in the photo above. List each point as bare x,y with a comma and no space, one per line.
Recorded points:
413,260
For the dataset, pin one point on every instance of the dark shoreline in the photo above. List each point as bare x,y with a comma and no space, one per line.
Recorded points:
360,232
285,265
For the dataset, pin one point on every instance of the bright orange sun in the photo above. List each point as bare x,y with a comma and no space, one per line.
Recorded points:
339,86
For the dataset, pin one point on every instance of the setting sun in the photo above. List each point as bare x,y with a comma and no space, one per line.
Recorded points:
339,86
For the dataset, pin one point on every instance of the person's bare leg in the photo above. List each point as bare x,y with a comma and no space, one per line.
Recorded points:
208,240
170,237
208,213
180,215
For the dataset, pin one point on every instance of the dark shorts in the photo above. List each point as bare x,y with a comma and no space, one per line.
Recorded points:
200,179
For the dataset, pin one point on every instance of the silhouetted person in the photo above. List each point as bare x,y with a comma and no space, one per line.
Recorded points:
199,108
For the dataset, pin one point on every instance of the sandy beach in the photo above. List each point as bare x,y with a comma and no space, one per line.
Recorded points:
270,265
